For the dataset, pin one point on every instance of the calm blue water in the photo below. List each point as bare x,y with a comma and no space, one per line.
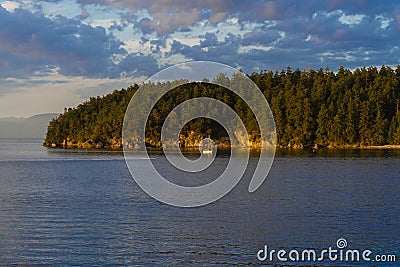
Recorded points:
82,208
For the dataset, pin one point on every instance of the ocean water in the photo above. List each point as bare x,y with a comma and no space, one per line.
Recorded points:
82,208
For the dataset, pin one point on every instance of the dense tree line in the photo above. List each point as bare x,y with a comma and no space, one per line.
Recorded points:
310,107
96,121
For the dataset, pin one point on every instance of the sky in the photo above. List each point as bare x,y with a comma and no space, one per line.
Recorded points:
58,53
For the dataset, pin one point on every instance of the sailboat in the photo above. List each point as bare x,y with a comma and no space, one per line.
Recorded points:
207,147
207,151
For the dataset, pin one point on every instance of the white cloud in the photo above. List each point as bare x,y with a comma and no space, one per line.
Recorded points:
137,46
187,39
143,14
384,21
105,23
351,19
162,55
332,13
10,5
249,48
66,7
228,26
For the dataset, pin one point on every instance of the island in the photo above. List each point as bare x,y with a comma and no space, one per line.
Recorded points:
312,109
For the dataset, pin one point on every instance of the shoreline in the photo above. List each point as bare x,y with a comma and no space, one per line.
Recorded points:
254,148
383,147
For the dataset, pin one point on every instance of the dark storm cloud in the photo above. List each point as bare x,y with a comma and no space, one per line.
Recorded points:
210,39
260,37
224,51
172,15
333,43
31,42
138,65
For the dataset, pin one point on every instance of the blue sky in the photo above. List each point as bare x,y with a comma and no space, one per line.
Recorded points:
56,54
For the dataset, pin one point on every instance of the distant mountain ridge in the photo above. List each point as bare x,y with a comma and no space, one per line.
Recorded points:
32,127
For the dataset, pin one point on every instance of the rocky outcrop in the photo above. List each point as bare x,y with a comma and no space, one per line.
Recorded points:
190,140
114,143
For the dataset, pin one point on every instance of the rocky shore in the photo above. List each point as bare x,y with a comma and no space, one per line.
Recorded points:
194,142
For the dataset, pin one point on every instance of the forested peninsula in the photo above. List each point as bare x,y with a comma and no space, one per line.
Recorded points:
311,108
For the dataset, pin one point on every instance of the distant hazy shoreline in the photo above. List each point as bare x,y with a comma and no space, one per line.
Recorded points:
32,127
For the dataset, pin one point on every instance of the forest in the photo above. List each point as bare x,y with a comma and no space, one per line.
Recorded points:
311,108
